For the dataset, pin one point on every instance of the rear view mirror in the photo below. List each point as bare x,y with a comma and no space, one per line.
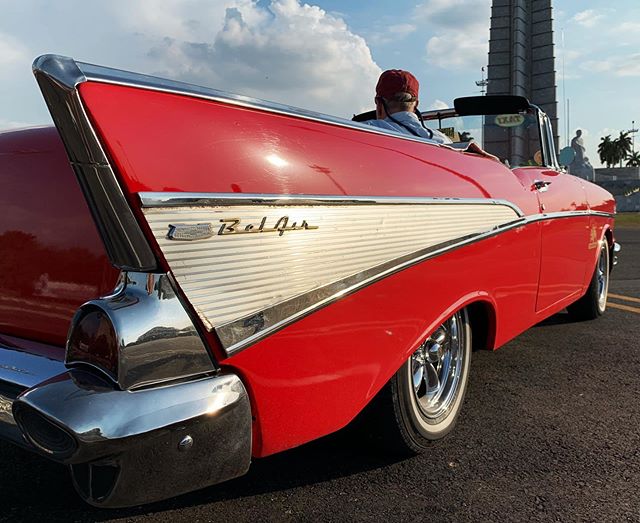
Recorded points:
490,104
566,156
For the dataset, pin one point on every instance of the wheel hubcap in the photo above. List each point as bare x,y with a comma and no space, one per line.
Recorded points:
602,273
437,367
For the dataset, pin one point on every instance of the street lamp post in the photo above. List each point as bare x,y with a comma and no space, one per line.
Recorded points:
483,83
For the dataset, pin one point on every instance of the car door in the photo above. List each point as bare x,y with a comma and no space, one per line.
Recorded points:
565,225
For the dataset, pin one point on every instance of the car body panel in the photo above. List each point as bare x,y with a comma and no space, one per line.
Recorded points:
307,376
333,361
51,257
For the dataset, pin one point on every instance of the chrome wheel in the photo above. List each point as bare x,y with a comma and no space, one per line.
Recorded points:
602,277
437,367
423,399
594,301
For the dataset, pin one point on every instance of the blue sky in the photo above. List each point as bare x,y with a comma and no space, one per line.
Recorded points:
323,55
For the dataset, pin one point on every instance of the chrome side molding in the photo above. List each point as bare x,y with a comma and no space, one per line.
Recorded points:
109,75
184,436
268,260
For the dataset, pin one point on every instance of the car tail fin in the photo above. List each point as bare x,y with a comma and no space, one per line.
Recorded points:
125,243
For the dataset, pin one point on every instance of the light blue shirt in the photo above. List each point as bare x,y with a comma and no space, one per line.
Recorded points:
410,120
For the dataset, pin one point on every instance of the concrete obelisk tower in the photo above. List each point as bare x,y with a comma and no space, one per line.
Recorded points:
521,54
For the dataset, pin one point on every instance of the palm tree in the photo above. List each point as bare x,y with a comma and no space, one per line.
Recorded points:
633,160
606,151
622,145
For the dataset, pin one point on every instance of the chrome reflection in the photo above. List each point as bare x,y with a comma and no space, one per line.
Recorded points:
602,276
20,370
157,339
436,368
240,334
616,250
125,439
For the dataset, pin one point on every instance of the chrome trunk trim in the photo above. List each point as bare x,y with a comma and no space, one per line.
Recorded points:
129,447
158,341
25,369
125,243
20,370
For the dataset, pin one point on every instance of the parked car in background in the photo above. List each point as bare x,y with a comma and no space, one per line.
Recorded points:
193,279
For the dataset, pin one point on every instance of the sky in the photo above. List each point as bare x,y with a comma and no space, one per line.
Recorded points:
323,55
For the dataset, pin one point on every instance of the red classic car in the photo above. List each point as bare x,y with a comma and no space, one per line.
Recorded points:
193,279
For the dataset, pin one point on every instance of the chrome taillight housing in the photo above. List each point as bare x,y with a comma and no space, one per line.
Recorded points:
139,335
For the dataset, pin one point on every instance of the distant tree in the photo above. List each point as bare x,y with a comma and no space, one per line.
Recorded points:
633,159
622,146
606,151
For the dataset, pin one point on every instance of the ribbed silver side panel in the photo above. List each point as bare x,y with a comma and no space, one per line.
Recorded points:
229,277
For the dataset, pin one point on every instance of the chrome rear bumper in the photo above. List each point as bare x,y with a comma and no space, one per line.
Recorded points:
126,447
20,371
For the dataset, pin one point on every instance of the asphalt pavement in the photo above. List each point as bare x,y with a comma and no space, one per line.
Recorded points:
550,431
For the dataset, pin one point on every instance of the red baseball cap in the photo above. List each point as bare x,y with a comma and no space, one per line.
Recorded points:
396,81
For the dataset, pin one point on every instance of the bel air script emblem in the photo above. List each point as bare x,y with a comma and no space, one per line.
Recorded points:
201,231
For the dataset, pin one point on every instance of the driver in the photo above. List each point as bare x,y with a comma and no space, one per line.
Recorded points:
396,102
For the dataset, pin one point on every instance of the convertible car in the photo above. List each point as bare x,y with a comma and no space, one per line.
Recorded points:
193,279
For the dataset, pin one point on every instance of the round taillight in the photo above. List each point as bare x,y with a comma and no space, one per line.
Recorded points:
93,340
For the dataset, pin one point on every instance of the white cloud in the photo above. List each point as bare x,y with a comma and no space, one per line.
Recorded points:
12,51
631,27
6,125
587,18
622,66
454,14
286,51
457,51
402,29
572,55
438,104
191,20
391,34
461,39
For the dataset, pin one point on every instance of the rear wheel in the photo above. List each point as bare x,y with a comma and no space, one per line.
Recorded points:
594,302
423,399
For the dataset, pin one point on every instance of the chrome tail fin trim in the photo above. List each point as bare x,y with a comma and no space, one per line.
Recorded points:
125,243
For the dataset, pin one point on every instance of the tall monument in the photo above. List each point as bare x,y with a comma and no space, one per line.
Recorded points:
521,57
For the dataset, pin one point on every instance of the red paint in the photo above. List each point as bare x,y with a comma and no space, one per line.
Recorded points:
314,376
166,142
51,257
564,256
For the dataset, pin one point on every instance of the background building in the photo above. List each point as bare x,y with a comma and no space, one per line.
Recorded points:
522,62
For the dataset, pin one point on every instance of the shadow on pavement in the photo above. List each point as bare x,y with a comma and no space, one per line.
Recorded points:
338,455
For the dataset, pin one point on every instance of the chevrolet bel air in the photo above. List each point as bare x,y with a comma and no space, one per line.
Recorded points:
193,279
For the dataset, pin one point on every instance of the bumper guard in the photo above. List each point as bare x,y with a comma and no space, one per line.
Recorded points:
127,448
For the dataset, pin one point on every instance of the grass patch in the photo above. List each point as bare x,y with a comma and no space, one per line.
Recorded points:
628,220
